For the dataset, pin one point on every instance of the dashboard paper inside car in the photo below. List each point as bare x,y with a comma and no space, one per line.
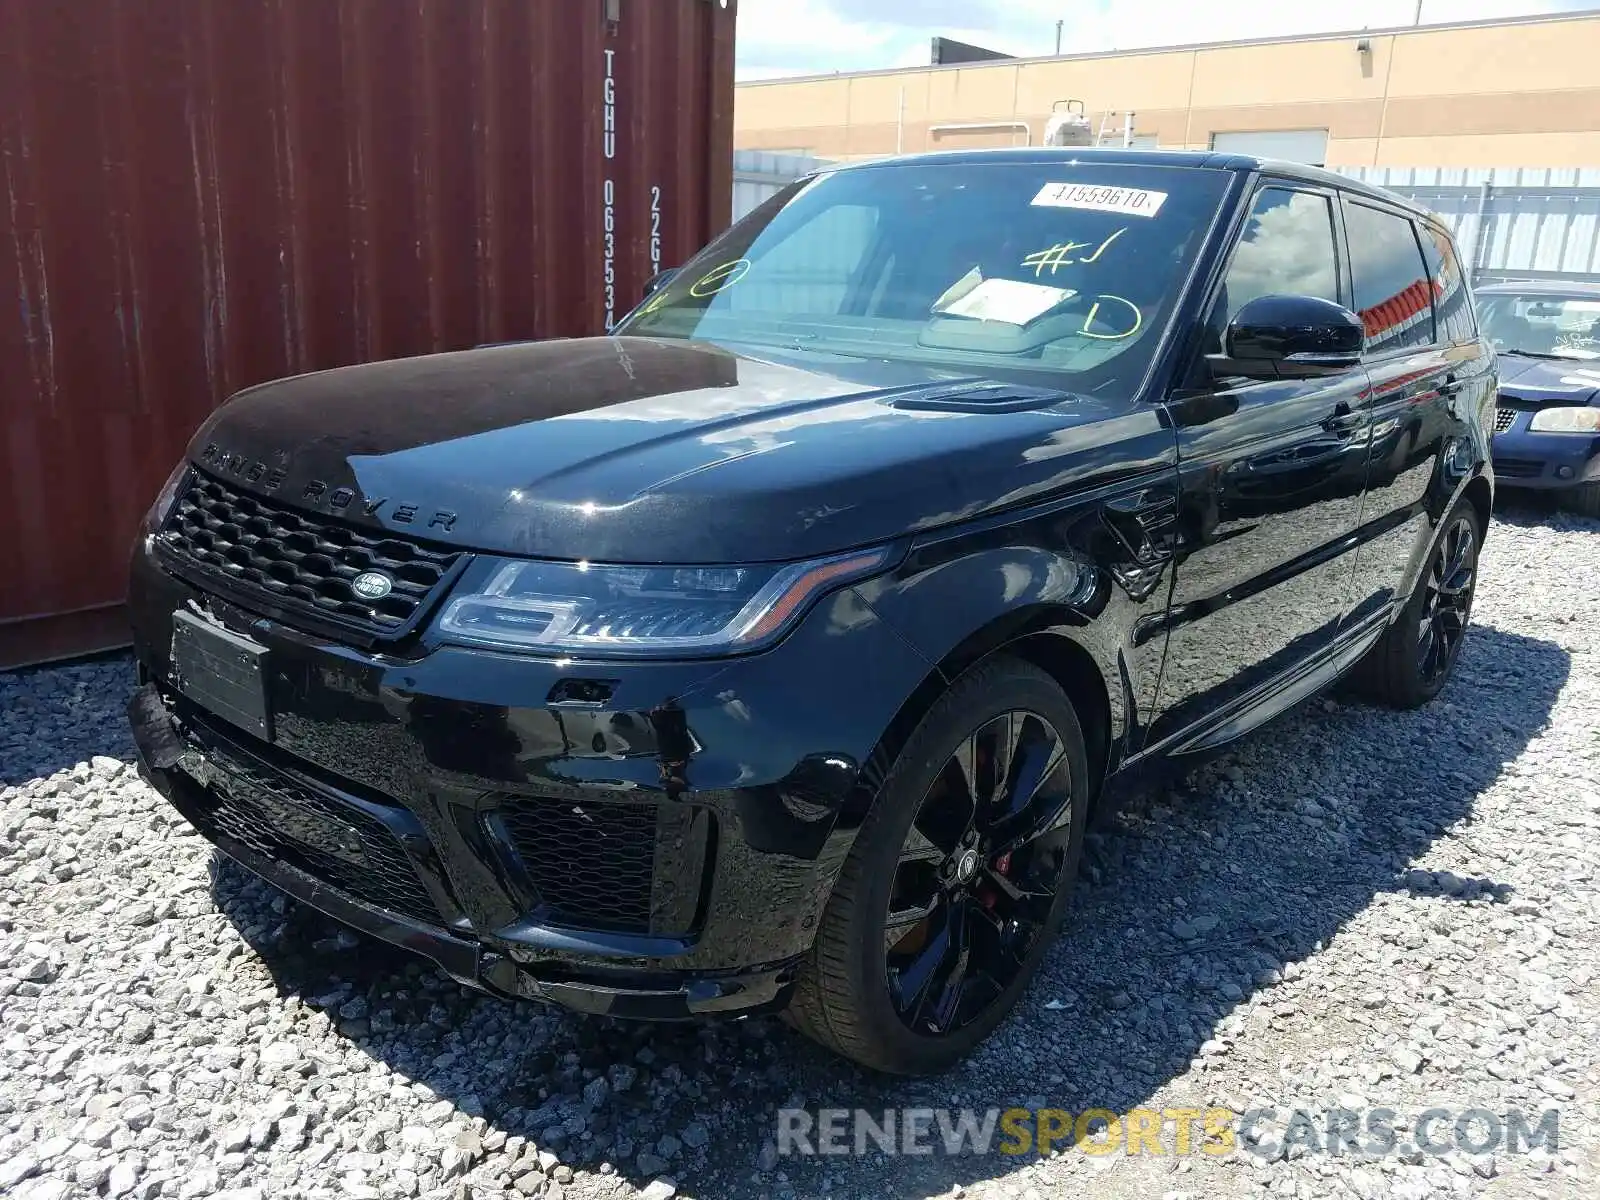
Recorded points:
1011,301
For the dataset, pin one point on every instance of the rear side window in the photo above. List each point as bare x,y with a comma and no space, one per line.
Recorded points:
1393,293
1452,305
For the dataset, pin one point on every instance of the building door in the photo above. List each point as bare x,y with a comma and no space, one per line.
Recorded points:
1308,146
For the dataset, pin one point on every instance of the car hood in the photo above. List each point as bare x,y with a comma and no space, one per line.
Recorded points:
1549,380
651,450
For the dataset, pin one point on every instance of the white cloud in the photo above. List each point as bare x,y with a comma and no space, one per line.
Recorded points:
789,37
1288,250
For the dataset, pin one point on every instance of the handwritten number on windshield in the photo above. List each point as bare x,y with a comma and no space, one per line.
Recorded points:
1128,305
1055,257
653,303
720,279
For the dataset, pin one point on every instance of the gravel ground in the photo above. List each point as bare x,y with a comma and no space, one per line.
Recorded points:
1357,908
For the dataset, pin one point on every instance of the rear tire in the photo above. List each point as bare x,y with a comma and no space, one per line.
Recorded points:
1414,659
1583,499
958,879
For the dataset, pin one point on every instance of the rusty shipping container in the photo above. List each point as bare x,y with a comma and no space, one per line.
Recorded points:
199,195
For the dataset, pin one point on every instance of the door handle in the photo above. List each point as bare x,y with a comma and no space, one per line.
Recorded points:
1343,419
1450,386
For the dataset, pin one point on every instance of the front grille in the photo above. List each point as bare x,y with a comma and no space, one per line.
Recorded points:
299,562
592,864
1503,418
1517,468
288,821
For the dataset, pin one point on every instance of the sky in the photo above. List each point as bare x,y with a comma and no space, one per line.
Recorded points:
808,37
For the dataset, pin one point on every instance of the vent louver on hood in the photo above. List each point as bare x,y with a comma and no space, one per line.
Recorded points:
980,398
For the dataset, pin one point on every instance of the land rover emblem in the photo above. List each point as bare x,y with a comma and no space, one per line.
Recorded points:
372,585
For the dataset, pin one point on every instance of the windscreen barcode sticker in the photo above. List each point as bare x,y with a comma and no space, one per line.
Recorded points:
1132,202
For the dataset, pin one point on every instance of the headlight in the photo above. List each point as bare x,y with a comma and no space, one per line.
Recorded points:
627,611
169,492
1565,420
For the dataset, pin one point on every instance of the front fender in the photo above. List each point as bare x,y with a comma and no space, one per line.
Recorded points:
1068,572
955,603
957,608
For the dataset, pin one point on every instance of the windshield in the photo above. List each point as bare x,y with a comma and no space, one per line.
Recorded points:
1064,268
1560,326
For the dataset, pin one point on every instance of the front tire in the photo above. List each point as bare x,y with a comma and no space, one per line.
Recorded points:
1584,499
1413,660
958,879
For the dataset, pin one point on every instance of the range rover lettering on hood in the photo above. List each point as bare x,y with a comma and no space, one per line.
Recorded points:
318,494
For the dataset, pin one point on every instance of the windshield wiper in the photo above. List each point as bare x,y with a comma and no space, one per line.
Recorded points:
1521,353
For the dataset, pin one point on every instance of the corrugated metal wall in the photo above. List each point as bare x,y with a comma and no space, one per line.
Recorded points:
1510,222
198,195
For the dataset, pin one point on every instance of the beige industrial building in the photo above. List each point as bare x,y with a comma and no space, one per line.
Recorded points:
1492,93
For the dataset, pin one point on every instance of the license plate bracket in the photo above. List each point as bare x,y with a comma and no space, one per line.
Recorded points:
221,671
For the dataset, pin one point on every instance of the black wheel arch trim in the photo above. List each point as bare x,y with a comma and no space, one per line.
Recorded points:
1050,638
1477,489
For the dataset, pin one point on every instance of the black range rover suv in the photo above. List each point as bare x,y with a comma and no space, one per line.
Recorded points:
772,652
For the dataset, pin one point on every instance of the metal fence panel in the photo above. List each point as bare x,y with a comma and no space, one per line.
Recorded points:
1511,222
759,175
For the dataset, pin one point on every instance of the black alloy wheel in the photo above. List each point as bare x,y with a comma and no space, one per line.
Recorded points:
1410,664
978,873
957,880
1447,600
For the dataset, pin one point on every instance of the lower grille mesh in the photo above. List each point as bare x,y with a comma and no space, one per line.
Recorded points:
280,818
1518,468
593,864
1503,419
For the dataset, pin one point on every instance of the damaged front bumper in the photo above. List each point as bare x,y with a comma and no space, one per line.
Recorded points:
189,771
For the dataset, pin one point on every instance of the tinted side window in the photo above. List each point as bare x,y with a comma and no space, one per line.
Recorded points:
1391,281
1451,304
1287,248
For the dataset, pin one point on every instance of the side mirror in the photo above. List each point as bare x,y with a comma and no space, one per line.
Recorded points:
1290,337
658,281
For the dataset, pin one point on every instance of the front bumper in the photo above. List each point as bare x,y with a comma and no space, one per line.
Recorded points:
1523,459
662,853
